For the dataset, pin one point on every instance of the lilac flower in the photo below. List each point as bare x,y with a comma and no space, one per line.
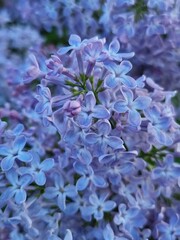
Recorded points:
16,189
118,75
14,152
75,44
87,176
129,218
131,106
33,72
168,171
60,191
108,233
170,230
102,139
159,126
44,101
91,110
37,169
100,205
113,50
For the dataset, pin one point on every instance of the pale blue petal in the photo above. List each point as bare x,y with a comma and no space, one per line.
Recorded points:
68,235
71,191
114,46
82,183
99,181
84,120
64,50
104,127
114,142
4,150
40,178
25,180
128,81
110,81
71,208
12,177
134,118
61,201
19,143
120,106
125,66
109,205
98,215
90,101
93,199
108,233
7,163
47,164
20,196
7,194
101,112
74,40
142,102
51,192
25,156
92,138
107,158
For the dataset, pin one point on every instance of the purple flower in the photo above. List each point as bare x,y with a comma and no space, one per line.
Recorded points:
159,126
131,106
99,205
16,188
14,152
170,230
118,75
60,191
88,176
90,110
37,169
33,72
102,138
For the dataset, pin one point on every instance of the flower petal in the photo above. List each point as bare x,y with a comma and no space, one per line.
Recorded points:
47,164
25,156
142,102
134,118
20,196
109,205
92,138
120,106
82,183
110,81
101,112
40,178
7,163
19,143
114,142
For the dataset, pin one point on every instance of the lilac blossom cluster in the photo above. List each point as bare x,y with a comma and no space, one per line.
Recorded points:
148,27
92,154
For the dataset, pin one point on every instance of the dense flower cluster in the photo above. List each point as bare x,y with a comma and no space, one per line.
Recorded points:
148,27
92,154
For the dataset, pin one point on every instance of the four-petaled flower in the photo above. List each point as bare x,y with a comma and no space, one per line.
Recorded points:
38,169
16,189
90,110
60,191
14,152
99,205
131,105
